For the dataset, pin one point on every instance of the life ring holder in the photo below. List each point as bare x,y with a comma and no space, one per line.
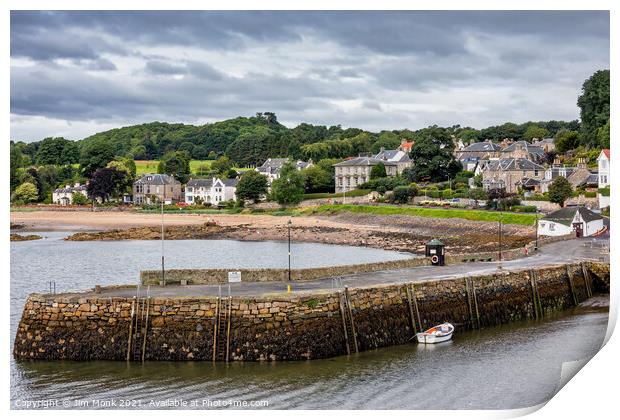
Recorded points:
434,259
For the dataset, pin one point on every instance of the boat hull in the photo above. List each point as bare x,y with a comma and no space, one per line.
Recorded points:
437,334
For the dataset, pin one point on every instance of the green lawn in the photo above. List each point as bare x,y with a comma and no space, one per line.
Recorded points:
352,193
146,167
196,167
488,216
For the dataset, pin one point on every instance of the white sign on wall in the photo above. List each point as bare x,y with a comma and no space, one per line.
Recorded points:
234,277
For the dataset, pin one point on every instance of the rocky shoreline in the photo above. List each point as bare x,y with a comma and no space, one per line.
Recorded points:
402,240
16,237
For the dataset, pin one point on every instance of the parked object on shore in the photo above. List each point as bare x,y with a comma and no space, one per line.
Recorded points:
437,334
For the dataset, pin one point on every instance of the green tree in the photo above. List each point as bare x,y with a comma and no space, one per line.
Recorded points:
26,192
125,164
566,140
535,132
594,105
560,190
17,161
57,151
318,179
403,193
477,194
386,140
289,187
176,164
222,165
78,199
378,171
94,155
252,186
432,155
602,136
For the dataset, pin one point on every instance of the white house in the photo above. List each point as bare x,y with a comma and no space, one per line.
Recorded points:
603,176
210,190
64,196
577,219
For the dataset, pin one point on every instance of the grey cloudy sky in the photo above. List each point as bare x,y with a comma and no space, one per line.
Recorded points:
76,73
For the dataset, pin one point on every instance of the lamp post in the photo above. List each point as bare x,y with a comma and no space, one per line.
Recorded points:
163,271
536,227
289,249
499,264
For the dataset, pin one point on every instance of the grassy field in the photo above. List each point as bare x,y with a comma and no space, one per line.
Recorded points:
146,167
480,215
196,167
352,193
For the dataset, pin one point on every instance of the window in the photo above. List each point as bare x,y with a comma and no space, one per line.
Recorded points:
552,227
603,164
536,172
190,198
189,189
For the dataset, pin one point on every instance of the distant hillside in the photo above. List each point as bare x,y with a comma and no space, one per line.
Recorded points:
248,141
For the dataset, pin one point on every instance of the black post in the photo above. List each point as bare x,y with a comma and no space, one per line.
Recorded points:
536,244
163,271
500,230
289,250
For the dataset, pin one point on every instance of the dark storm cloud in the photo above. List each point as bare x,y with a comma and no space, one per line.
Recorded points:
366,69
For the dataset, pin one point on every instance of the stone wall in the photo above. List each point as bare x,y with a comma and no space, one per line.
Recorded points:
214,276
293,327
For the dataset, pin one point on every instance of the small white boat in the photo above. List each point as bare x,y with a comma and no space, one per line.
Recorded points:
437,334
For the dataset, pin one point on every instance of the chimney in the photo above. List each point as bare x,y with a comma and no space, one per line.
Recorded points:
67,186
77,184
556,162
382,150
581,164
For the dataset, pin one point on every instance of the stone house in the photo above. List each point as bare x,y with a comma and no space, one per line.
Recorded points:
577,176
155,188
271,167
548,144
64,196
351,173
523,150
474,155
212,191
577,219
509,174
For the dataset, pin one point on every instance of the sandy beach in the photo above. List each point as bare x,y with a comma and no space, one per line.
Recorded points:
401,233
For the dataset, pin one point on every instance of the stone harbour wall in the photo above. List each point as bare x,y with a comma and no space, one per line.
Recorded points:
212,275
293,327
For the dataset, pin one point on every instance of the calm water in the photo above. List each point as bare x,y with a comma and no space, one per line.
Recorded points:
510,366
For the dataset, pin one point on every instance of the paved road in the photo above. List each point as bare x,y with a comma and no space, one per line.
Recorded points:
571,251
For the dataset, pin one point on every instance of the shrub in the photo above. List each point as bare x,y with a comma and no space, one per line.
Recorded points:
402,194
524,209
78,199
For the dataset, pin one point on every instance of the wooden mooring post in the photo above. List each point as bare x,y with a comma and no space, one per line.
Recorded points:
585,273
346,293
133,304
344,321
538,312
415,306
569,274
146,326
410,306
215,322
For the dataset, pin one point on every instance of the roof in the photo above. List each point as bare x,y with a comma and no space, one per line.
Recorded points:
482,146
434,242
364,161
606,153
549,140
156,179
529,182
407,144
393,156
230,182
529,148
566,215
273,165
513,164
202,182
557,171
